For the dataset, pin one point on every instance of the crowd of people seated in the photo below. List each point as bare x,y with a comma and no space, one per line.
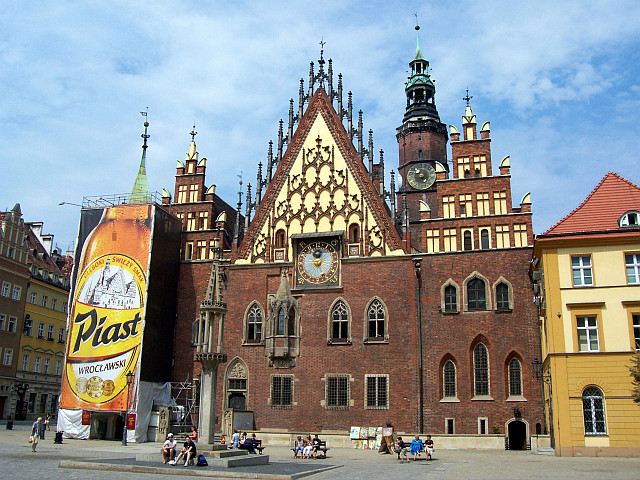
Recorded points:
416,446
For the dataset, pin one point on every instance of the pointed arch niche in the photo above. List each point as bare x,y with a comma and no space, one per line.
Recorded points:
503,295
339,323
236,385
481,380
376,322
477,293
450,297
449,379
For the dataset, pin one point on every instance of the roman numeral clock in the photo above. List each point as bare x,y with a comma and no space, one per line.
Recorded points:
318,262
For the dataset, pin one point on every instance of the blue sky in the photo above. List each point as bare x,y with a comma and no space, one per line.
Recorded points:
558,81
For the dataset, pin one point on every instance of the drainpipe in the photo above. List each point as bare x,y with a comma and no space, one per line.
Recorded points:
416,270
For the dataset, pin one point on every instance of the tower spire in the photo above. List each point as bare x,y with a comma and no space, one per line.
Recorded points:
140,190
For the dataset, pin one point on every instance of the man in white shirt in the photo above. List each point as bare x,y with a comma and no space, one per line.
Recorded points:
169,449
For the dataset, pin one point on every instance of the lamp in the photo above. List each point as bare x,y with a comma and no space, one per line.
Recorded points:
69,203
129,376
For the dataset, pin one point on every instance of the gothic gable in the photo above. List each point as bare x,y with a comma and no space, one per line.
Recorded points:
320,186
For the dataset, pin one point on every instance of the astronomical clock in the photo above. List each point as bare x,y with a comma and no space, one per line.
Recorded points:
318,262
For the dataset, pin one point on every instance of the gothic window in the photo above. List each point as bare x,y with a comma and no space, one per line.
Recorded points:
282,390
481,370
354,233
593,410
515,378
291,322
377,391
337,391
280,239
339,323
280,322
254,321
476,295
449,389
484,239
376,322
502,297
450,299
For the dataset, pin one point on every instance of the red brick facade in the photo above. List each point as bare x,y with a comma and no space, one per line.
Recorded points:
487,267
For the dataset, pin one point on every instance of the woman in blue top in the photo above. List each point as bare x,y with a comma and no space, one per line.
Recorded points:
416,447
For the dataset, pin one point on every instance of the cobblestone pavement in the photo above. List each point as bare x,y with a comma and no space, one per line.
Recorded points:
18,462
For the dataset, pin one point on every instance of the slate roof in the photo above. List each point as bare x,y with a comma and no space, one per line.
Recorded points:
602,209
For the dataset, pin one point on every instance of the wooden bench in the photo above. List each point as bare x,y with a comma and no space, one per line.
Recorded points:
258,446
322,447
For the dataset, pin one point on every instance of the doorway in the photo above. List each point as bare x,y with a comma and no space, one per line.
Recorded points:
517,435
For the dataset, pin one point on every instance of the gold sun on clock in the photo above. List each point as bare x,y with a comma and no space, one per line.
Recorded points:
317,262
421,176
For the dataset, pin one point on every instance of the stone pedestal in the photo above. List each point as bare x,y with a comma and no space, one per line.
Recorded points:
208,384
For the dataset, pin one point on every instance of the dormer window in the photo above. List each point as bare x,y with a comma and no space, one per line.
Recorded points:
630,219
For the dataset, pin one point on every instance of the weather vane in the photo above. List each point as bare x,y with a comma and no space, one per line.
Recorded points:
467,97
193,132
417,27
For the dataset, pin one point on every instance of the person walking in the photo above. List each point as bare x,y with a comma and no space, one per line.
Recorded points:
35,433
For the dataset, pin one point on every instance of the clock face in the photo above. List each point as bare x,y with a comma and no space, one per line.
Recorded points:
318,262
421,176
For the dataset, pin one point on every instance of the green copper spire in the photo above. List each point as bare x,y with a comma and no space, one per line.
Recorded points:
418,52
140,191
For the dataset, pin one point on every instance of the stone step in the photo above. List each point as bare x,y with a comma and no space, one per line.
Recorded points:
545,451
242,460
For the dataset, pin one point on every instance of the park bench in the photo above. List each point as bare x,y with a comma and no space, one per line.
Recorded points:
322,447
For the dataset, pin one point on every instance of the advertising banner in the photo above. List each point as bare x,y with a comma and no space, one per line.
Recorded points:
107,317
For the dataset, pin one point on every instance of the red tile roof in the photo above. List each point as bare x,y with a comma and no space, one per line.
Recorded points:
602,209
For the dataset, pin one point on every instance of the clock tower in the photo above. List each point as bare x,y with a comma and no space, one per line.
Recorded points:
422,140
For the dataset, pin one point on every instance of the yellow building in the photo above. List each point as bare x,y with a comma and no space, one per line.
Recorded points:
41,356
586,272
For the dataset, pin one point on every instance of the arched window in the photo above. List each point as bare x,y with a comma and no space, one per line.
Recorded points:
339,322
450,299
354,233
502,296
254,324
515,378
481,370
467,244
291,322
376,321
280,239
449,379
280,323
593,409
484,239
476,295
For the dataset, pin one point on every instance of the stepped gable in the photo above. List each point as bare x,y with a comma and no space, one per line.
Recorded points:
601,210
320,105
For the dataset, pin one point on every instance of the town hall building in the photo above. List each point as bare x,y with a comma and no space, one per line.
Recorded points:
347,301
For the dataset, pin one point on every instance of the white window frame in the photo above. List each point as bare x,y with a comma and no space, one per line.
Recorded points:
485,421
50,332
632,265
33,299
588,331
3,320
635,319
582,266
16,293
45,298
7,357
61,335
46,364
11,324
37,361
57,369
6,288
41,330
25,361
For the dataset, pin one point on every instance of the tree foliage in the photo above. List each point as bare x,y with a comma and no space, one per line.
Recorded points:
635,375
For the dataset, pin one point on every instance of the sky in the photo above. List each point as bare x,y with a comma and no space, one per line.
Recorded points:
558,80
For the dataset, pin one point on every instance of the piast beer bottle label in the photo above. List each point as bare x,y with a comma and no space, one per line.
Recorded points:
108,311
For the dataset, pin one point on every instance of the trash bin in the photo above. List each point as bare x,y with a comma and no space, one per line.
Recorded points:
58,438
